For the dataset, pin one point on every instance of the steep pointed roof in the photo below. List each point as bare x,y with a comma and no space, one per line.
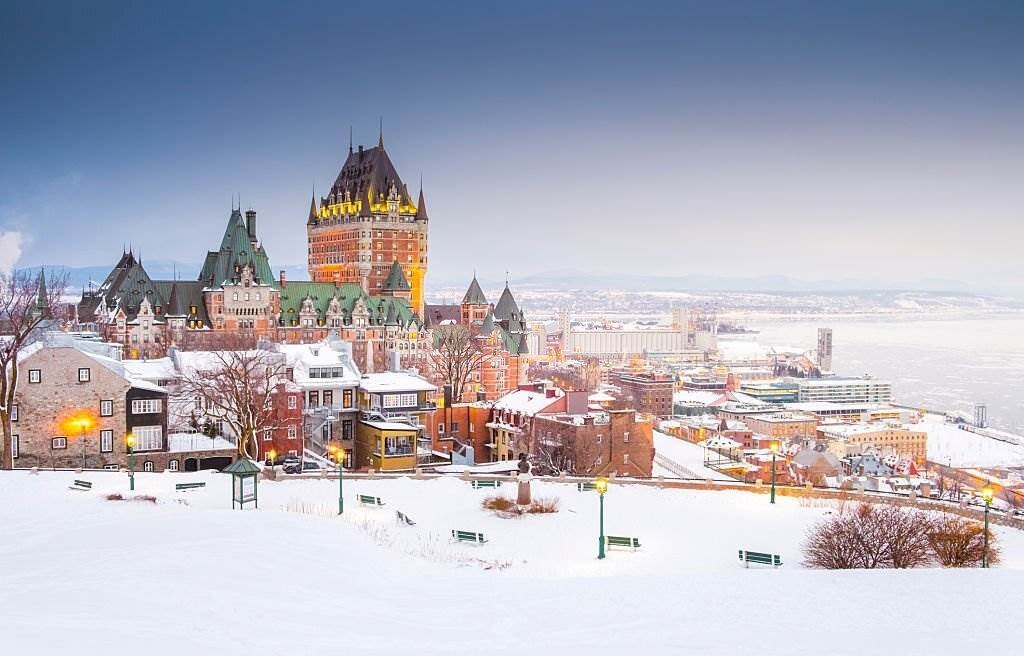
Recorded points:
236,249
487,327
368,171
506,306
42,302
396,281
421,206
474,295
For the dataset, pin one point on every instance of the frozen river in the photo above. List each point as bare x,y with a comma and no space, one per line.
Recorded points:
939,364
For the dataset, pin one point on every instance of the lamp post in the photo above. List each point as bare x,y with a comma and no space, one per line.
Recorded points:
601,485
986,494
774,446
129,442
83,424
339,454
272,456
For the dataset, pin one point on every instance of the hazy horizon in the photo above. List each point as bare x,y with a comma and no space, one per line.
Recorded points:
863,141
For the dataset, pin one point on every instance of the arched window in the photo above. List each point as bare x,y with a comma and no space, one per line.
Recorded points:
147,466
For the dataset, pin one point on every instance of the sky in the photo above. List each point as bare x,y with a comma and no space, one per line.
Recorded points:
877,141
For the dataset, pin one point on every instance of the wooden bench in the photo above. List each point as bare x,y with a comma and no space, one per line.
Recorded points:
178,487
403,518
491,483
468,536
586,487
622,541
83,486
758,558
368,500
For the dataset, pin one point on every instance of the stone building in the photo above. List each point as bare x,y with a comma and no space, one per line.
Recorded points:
649,392
594,444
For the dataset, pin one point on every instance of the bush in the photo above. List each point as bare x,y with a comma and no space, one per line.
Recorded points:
958,542
543,506
870,537
506,507
500,504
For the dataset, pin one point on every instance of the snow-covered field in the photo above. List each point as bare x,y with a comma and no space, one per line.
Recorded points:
684,458
84,575
948,445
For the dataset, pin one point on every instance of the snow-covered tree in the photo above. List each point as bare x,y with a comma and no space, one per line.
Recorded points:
456,356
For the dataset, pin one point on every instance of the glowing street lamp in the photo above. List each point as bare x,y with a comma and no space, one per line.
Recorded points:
129,442
986,494
339,454
272,456
774,446
601,485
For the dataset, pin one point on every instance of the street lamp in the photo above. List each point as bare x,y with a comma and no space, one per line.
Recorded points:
272,456
986,494
774,446
129,441
601,485
83,423
339,454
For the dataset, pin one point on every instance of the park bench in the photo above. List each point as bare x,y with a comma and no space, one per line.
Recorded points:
489,482
621,541
178,487
758,558
468,536
404,519
586,487
84,486
368,500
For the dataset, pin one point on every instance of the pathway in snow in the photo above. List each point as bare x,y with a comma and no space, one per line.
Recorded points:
683,459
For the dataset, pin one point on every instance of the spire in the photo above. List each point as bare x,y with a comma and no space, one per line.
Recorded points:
42,303
312,209
474,295
350,140
421,206
380,139
396,281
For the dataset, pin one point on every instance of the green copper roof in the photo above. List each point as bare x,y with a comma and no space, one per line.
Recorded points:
236,252
396,281
242,466
383,310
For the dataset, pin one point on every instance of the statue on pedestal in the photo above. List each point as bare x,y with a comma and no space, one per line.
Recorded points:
523,498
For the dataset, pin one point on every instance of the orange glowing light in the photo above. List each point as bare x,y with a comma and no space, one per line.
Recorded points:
129,440
78,422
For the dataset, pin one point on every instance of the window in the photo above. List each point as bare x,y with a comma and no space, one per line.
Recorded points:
346,429
147,466
314,399
14,412
293,402
346,398
14,446
268,435
84,374
328,397
146,406
471,429
106,441
59,443
625,458
440,429
112,467
173,465
597,463
625,436
234,297
454,426
148,438
291,433
106,408
599,438
399,400
258,296
35,376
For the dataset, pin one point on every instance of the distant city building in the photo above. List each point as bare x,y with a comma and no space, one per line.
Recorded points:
885,438
645,391
825,349
845,390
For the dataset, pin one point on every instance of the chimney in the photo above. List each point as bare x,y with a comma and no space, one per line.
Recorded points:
284,279
250,224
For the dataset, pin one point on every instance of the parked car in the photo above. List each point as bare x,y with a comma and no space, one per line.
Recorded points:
291,465
309,465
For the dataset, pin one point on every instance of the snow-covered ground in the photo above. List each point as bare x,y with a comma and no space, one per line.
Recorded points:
949,445
684,458
84,575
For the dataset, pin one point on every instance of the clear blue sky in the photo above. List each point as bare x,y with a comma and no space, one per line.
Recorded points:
820,140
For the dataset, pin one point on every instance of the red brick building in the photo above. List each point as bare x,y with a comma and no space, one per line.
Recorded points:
286,438
593,444
646,391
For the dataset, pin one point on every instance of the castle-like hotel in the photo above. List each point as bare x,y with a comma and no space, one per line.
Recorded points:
368,250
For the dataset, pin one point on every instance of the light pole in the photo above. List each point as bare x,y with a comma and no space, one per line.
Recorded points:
774,446
986,494
601,485
129,441
82,424
339,453
272,456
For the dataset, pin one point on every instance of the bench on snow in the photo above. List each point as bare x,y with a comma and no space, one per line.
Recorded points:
468,536
368,500
622,541
178,487
403,518
586,487
84,486
758,558
487,482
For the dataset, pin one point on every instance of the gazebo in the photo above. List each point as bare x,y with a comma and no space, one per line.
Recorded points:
244,474
718,443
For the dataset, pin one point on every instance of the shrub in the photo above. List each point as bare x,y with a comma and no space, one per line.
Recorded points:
870,537
506,507
115,497
500,504
543,505
958,542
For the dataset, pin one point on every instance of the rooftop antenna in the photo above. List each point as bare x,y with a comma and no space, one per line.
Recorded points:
380,139
349,139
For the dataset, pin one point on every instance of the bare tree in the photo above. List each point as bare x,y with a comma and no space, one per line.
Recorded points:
870,537
27,304
959,542
239,387
456,356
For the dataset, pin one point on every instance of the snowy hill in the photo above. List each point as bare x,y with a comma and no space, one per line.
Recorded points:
85,575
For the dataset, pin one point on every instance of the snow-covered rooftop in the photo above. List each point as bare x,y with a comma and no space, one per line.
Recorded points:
528,402
394,381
